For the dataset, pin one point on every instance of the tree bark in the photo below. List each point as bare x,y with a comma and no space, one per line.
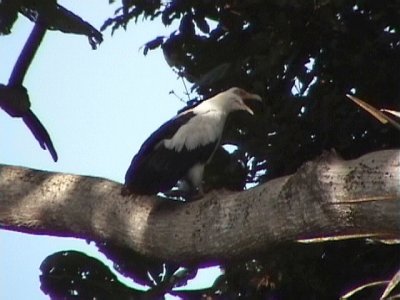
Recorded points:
325,197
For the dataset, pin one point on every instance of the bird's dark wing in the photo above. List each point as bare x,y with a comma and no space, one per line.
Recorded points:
166,131
156,168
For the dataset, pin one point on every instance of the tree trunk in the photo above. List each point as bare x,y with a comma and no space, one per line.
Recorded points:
325,197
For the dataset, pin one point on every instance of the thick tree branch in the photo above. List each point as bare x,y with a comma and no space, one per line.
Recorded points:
325,197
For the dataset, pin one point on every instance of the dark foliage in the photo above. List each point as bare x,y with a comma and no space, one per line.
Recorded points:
74,275
315,271
145,271
302,57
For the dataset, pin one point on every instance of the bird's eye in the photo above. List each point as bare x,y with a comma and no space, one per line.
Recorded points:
238,102
237,91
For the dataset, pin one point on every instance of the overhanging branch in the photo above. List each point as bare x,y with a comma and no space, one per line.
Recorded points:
326,197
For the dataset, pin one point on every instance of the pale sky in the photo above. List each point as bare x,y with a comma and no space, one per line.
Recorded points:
98,106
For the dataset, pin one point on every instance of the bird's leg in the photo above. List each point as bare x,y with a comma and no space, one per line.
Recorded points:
195,179
195,192
183,191
184,186
192,192
186,191
200,190
190,187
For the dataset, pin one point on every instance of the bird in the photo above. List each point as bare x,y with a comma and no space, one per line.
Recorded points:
180,149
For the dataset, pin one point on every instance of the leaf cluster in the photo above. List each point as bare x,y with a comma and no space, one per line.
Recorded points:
322,271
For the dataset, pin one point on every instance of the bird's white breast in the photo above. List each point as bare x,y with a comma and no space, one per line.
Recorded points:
201,130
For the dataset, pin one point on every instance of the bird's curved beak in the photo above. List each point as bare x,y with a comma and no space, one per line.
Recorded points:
250,96
248,109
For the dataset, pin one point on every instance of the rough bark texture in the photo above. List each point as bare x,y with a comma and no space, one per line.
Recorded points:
326,197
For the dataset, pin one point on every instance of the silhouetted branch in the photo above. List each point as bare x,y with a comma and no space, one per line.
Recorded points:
26,56
14,98
40,133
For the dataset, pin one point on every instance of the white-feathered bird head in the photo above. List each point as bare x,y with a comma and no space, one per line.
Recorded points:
232,100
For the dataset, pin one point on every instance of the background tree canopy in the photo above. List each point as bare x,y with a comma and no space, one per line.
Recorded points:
302,57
